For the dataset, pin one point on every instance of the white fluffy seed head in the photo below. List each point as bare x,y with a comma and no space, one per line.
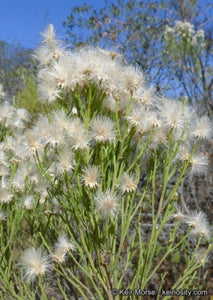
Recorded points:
159,137
107,203
80,140
3,216
90,177
49,90
131,78
55,135
75,126
41,127
62,247
28,202
23,114
3,159
60,119
4,171
174,114
6,110
128,183
65,243
34,263
199,164
178,215
49,35
5,196
65,161
203,128
102,129
18,181
33,140
109,103
59,255
145,96
184,152
199,224
5,191
201,255
135,117
143,119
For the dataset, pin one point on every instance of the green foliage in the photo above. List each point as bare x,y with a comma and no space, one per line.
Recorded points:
176,257
110,248
15,66
187,53
28,98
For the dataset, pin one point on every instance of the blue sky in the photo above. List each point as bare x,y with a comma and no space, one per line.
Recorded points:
21,21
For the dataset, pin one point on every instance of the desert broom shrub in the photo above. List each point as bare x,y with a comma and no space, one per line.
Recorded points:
89,202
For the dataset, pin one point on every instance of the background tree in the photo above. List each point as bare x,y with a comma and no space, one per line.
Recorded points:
15,68
179,66
28,98
134,28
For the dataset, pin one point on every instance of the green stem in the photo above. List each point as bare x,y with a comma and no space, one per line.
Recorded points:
44,296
